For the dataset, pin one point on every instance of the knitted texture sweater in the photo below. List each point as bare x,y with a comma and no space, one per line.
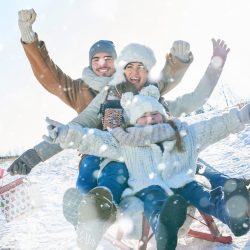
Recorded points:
149,165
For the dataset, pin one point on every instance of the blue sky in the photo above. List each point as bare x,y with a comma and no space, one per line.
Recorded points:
70,27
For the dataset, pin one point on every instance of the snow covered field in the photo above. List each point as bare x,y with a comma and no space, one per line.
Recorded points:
47,229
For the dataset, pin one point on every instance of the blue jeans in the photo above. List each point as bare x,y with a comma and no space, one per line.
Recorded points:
212,202
114,176
87,177
216,178
208,201
166,214
153,198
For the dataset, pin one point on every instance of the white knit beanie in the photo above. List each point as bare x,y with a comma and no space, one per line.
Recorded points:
135,106
133,52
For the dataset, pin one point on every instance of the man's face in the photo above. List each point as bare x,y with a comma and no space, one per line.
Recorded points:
150,118
136,73
103,64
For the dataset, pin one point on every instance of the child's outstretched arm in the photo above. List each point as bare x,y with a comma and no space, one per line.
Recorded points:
218,127
86,140
144,135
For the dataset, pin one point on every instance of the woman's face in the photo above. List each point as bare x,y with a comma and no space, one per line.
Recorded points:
150,118
137,74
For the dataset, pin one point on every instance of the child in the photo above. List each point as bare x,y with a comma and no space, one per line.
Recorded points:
159,174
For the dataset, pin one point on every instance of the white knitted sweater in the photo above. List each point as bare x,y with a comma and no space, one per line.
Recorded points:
148,165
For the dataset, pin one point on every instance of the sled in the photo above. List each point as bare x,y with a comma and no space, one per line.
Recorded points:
213,234
15,199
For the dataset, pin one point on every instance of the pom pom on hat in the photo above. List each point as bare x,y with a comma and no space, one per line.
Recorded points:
152,91
135,106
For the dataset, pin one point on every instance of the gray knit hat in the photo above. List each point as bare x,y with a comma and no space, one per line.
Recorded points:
102,46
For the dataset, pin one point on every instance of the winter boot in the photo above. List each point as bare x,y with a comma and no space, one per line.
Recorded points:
96,214
171,218
236,198
71,201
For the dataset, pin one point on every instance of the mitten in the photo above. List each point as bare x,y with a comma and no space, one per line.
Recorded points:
181,50
57,132
244,114
25,20
24,163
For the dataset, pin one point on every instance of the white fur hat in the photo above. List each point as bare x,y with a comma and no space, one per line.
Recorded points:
146,101
133,52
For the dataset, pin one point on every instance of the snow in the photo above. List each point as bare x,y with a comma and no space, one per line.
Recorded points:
46,228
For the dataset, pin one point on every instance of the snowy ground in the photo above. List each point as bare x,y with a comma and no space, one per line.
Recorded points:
47,229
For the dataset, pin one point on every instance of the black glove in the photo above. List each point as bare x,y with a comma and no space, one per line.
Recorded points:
24,163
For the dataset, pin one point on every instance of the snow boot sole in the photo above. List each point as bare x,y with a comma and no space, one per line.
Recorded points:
71,201
97,204
95,214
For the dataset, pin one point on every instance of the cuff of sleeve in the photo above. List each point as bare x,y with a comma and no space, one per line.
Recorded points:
186,60
27,34
46,150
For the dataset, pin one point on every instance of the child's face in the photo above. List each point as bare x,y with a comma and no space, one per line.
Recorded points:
150,118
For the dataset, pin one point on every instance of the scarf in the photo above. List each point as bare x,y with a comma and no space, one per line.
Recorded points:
95,82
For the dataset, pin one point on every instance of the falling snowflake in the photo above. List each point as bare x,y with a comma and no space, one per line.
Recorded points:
190,171
161,166
103,148
183,133
121,159
217,62
96,174
126,224
151,175
91,131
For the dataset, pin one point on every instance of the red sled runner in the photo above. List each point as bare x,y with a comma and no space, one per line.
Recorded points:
213,234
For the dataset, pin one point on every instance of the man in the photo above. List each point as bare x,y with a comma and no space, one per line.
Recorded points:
79,93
